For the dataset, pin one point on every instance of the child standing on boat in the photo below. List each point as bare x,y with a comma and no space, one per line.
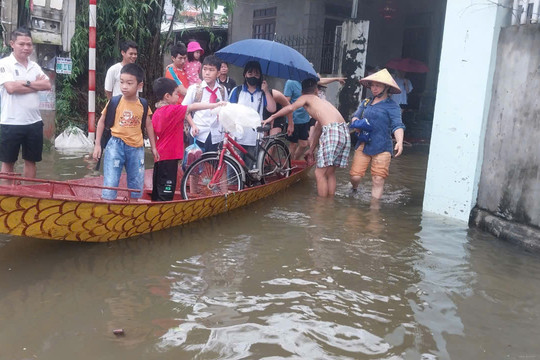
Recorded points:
206,128
125,146
332,131
168,124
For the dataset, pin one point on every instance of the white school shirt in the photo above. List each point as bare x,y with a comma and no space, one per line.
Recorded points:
19,109
204,119
256,102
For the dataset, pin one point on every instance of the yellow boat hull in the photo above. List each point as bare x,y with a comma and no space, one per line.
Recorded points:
100,221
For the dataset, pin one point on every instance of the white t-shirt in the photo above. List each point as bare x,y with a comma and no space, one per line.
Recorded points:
257,103
112,79
204,119
19,109
406,87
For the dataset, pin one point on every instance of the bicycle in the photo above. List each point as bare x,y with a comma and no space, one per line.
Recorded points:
218,173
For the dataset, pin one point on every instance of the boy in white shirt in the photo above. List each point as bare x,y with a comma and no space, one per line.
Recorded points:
207,130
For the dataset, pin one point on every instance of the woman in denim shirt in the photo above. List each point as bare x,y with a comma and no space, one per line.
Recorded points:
384,115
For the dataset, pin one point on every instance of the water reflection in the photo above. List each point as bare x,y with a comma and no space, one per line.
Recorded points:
292,276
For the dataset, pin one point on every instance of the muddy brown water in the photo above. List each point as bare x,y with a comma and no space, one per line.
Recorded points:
292,276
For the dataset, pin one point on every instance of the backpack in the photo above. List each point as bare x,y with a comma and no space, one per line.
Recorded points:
200,89
109,122
235,94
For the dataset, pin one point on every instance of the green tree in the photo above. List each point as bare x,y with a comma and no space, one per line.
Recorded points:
117,20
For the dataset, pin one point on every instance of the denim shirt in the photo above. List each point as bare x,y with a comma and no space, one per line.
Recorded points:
385,117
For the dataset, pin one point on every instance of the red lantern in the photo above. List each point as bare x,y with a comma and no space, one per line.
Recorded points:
388,11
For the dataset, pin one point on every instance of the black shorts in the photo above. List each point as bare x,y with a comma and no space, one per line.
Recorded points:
312,122
164,180
30,137
281,123
301,132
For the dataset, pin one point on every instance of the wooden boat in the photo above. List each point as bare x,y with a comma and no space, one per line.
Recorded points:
73,210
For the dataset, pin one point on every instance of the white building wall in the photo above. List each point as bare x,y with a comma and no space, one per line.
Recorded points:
471,32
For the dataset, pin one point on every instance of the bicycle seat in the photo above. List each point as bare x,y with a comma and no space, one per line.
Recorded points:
264,128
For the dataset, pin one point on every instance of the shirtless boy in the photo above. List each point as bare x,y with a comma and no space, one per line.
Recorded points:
331,131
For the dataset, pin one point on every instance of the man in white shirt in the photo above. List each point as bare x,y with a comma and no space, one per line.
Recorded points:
129,53
406,87
207,130
20,120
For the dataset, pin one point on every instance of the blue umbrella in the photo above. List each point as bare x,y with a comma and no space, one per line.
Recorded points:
276,59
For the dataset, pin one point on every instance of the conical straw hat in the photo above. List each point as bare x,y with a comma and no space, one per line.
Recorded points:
383,77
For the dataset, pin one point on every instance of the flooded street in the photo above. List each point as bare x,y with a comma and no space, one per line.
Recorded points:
291,276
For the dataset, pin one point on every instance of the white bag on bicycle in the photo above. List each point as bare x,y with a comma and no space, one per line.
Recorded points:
233,117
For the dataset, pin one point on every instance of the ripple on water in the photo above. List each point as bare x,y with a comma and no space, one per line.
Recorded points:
393,194
310,317
279,320
291,218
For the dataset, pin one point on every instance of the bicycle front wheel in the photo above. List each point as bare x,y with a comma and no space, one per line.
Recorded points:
197,180
274,162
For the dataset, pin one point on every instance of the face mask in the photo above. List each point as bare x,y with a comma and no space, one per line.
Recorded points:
252,81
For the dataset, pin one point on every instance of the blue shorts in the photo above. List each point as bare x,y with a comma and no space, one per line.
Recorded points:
207,145
118,155
252,150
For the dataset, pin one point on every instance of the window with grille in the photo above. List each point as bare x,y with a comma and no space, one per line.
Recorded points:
264,23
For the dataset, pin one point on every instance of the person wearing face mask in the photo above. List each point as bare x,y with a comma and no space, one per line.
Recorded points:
255,94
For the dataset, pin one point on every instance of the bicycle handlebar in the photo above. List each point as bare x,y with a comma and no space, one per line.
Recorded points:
264,128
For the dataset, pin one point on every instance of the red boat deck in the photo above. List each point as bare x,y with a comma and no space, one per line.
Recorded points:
85,189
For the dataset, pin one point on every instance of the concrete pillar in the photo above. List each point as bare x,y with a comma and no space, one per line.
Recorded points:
471,31
354,41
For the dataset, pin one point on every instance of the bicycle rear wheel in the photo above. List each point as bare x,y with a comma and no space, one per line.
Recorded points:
196,180
274,162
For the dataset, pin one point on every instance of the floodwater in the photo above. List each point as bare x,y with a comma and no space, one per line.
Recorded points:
292,276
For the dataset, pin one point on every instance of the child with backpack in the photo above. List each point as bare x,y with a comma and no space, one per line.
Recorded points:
168,124
119,137
256,94
206,128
